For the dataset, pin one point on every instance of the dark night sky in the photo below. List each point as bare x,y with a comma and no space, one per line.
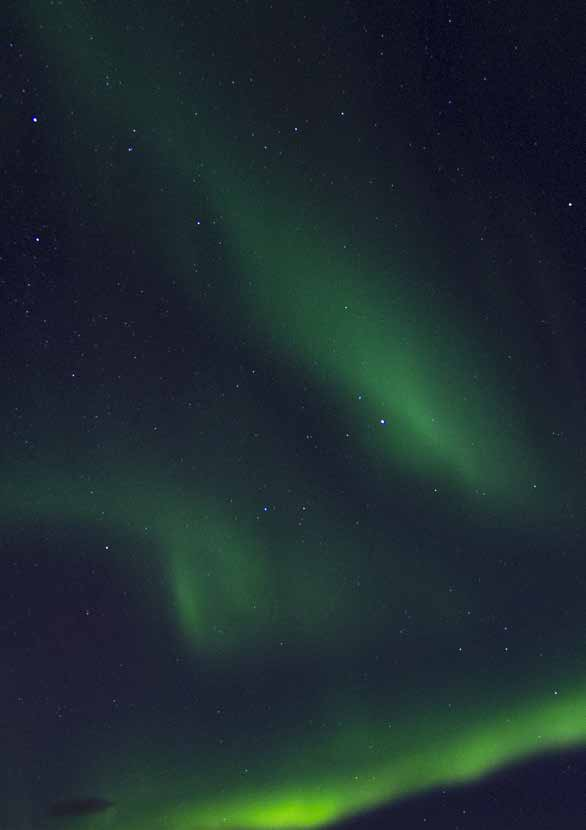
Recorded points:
293,415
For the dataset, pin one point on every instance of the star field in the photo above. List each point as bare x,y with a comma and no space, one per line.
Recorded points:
293,435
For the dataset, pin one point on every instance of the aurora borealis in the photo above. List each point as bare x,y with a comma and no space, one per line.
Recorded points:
293,435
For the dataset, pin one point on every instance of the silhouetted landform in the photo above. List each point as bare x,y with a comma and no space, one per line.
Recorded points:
73,807
545,793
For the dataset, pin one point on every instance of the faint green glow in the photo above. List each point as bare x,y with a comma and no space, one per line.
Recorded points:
355,328
374,350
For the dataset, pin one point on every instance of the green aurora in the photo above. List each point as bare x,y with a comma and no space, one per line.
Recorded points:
289,578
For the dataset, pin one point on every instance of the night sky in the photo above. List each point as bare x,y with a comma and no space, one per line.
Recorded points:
293,434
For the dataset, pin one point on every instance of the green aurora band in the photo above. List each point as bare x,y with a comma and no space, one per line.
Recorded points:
225,591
